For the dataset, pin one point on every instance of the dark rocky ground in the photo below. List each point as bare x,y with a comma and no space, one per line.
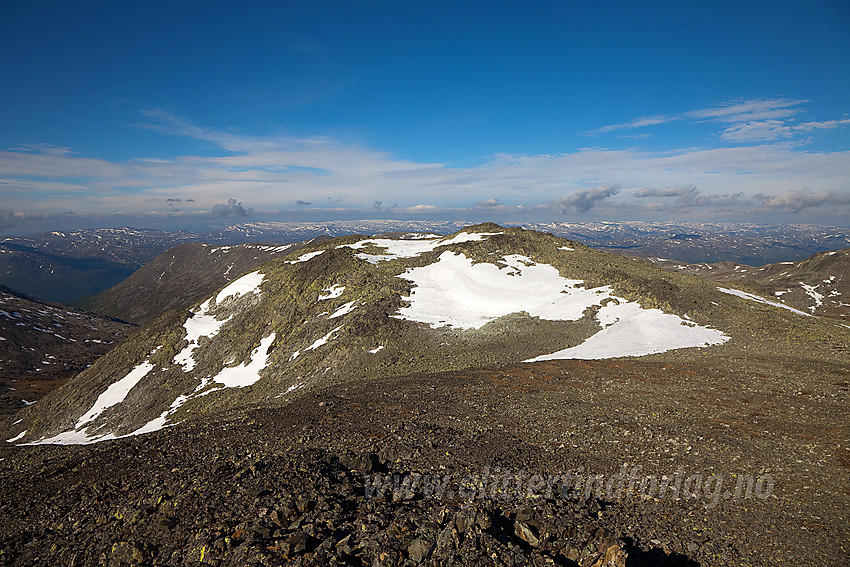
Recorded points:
288,485
43,344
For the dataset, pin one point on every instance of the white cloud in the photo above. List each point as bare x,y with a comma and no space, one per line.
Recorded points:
748,110
804,199
757,120
637,123
275,172
769,130
583,200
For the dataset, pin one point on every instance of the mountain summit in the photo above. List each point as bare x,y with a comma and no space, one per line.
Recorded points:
367,308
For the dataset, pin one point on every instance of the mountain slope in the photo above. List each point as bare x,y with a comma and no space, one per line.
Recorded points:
42,345
819,285
179,277
362,308
289,388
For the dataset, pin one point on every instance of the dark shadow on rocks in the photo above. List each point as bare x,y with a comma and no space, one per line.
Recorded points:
655,557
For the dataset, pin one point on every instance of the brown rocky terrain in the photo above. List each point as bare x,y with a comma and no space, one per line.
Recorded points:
289,485
42,345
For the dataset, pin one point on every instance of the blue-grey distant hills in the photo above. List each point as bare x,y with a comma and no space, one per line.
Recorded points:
67,266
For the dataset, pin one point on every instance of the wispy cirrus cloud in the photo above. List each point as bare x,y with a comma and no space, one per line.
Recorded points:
637,123
748,110
770,130
730,112
757,120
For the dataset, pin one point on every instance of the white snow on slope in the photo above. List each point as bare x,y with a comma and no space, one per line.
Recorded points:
811,292
758,299
115,393
343,310
72,437
200,324
455,292
204,324
323,340
249,283
466,237
230,377
411,248
630,330
248,373
16,437
332,292
158,423
305,257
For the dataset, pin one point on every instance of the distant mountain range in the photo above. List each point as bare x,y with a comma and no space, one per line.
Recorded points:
68,266
65,266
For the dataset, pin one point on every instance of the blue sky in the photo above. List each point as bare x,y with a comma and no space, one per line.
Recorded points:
152,113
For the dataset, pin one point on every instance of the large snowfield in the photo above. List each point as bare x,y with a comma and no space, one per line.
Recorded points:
458,293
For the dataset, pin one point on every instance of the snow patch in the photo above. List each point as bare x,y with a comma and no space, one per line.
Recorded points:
305,257
377,350
248,373
810,291
115,393
323,340
456,292
756,298
411,248
17,437
160,422
291,389
631,330
343,310
332,292
201,323
249,283
72,437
